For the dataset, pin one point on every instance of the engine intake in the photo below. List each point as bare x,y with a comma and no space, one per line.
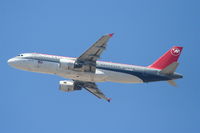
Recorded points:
68,86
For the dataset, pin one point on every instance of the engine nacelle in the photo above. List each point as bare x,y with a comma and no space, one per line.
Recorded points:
68,85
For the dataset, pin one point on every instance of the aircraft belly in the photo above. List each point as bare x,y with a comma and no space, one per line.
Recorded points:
100,76
121,77
82,76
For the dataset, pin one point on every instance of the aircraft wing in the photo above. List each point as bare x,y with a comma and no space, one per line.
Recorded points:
89,57
92,87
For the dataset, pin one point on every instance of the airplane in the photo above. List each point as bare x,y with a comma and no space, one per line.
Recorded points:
85,70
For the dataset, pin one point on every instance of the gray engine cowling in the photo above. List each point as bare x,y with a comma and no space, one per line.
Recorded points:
68,86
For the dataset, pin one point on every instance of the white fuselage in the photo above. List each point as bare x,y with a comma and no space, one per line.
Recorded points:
50,64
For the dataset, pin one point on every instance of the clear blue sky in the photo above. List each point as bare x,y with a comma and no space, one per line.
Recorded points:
144,30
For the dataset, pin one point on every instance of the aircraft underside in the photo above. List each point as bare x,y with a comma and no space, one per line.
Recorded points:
101,76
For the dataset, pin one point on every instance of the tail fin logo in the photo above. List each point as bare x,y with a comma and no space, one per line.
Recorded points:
175,51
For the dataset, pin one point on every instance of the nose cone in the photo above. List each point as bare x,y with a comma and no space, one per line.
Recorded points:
18,63
14,62
11,62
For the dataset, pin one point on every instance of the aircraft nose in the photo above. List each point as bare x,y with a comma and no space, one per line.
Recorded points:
11,62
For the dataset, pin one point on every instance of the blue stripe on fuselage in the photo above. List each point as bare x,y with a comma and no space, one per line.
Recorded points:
144,75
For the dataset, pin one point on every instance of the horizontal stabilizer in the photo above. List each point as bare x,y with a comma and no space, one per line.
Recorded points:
170,69
172,82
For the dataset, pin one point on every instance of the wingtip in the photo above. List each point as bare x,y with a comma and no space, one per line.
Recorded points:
111,34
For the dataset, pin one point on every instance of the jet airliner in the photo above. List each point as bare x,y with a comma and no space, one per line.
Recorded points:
85,70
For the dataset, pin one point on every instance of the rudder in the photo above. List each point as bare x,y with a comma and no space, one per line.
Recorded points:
168,58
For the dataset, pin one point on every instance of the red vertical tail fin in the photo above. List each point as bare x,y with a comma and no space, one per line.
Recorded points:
168,58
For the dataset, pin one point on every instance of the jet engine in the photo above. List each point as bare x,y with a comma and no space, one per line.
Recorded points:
68,86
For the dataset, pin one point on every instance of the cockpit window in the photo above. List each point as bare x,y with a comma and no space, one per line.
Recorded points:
20,55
